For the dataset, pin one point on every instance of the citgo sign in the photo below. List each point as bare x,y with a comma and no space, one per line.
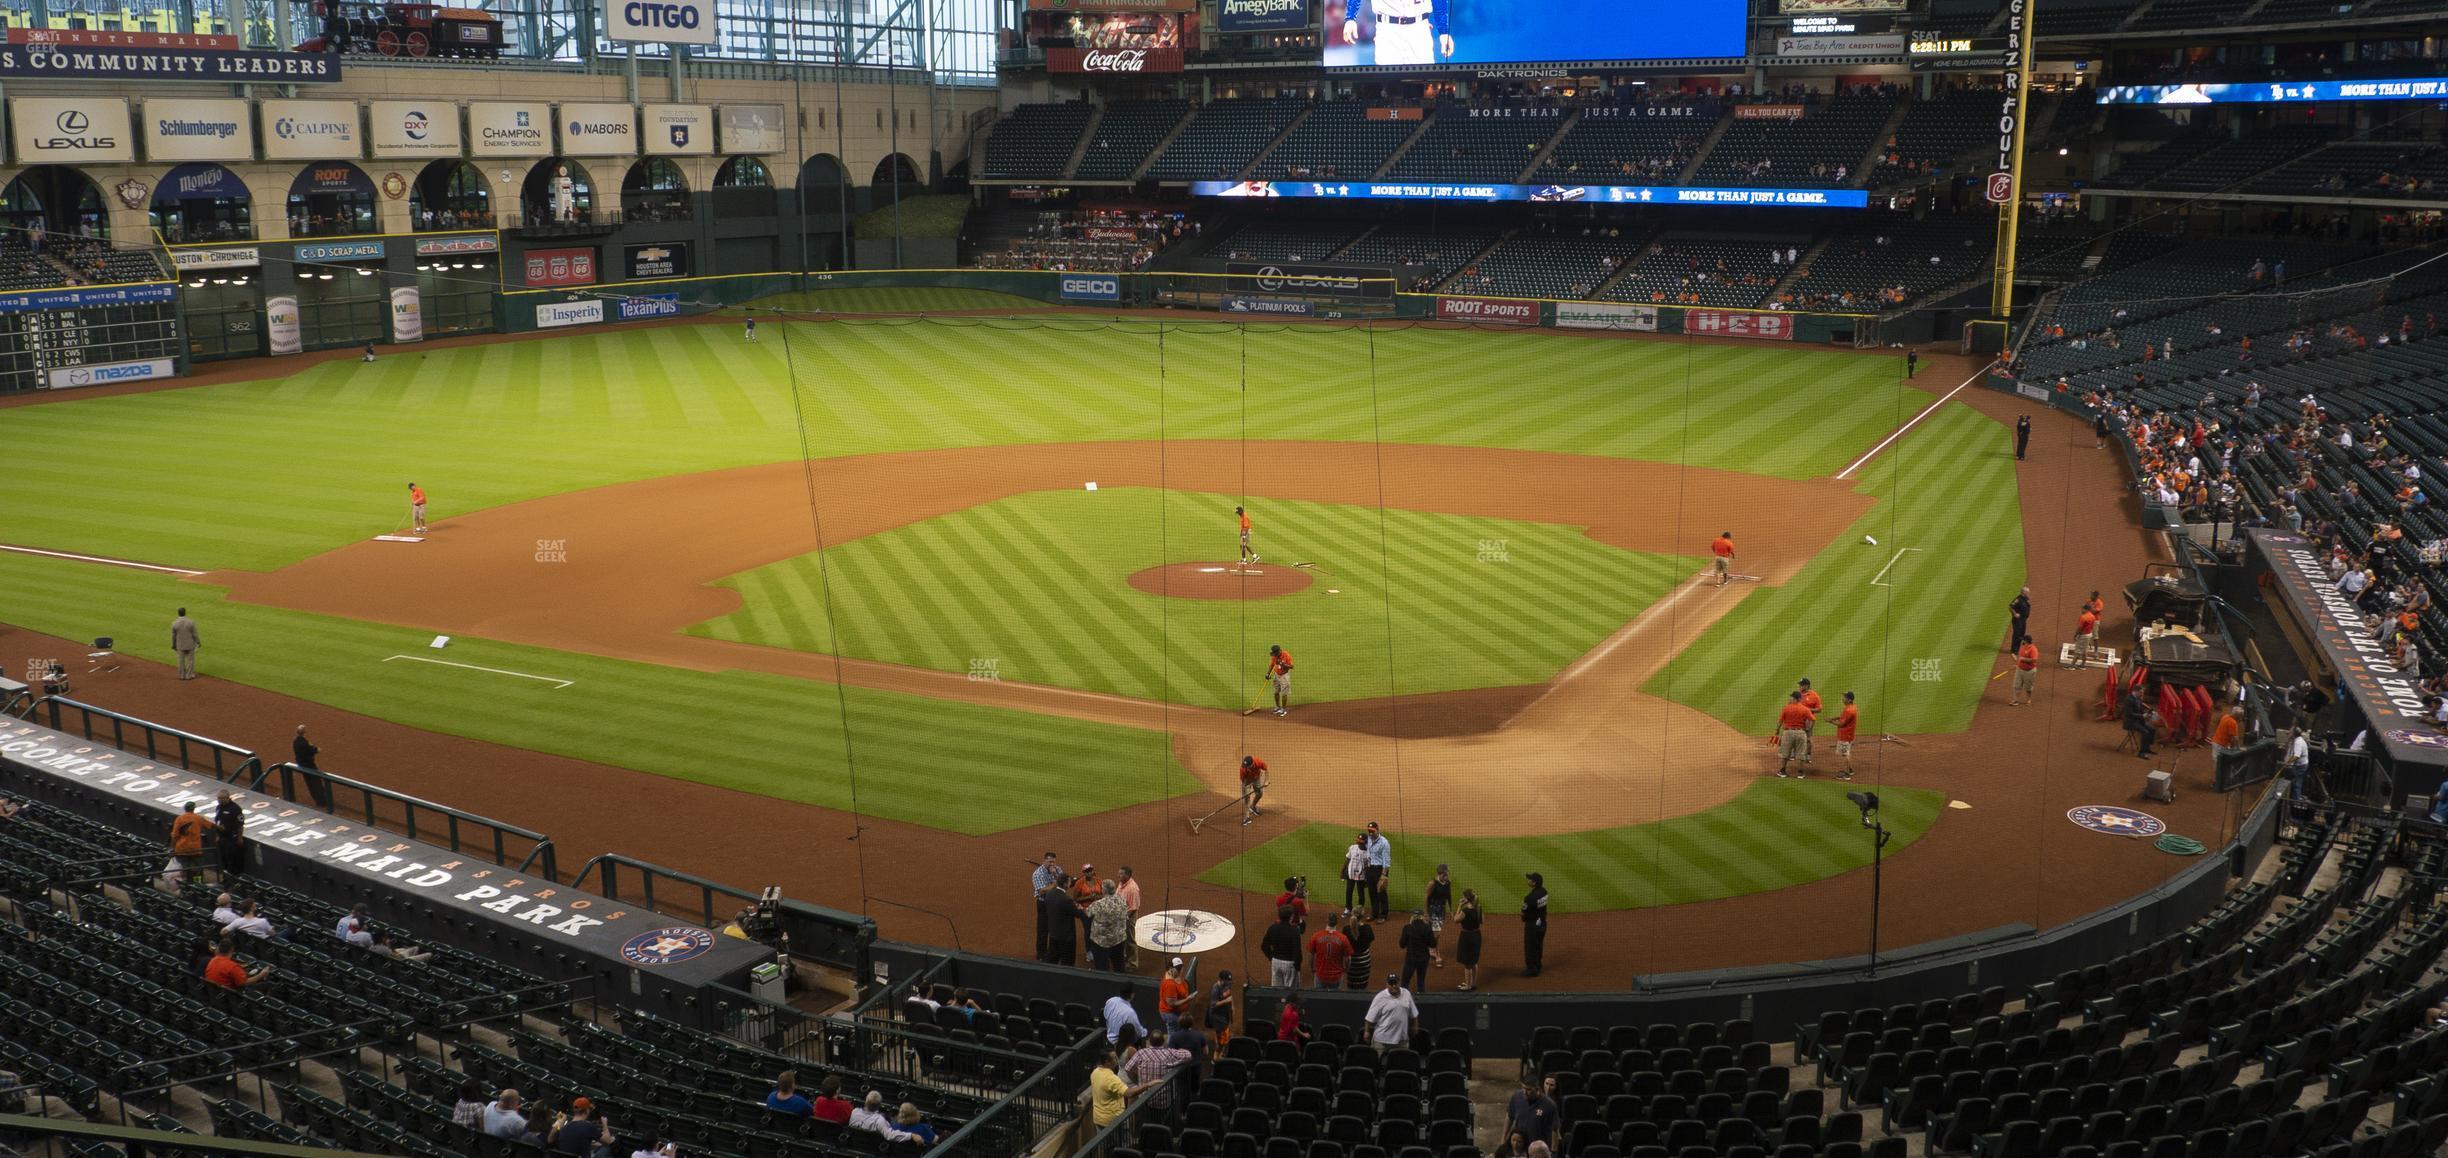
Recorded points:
659,21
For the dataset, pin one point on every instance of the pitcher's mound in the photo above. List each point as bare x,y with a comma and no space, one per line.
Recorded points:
1260,580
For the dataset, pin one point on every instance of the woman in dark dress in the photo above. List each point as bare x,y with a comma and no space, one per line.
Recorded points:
1466,948
1363,942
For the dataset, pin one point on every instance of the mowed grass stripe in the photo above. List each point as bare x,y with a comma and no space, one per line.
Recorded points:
1037,583
1917,649
776,736
1767,838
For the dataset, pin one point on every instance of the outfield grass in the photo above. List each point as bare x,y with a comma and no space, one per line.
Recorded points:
769,735
1914,632
1036,583
1777,834
259,474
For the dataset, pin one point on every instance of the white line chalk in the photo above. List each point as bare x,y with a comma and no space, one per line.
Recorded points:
1880,579
104,560
558,684
1915,421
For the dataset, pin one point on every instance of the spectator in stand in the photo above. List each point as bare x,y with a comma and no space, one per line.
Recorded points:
225,910
1126,886
469,1110
1172,996
253,923
186,844
225,971
1329,952
831,1106
914,1124
352,928
1531,1113
1291,1024
1120,1016
869,1116
1296,895
1221,1001
1282,945
1107,1092
1392,1016
1363,938
1155,1062
581,1132
786,1098
1418,944
504,1118
539,1127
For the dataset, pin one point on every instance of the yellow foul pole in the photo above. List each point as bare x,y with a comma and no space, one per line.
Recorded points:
2005,186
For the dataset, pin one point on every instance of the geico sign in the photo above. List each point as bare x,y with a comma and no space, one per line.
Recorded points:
1091,287
644,15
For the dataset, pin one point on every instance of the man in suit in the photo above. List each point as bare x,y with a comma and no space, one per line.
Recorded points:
1534,927
302,753
185,641
2022,435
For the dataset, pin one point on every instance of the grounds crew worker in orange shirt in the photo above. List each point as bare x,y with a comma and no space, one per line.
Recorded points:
1793,734
1247,555
1253,786
416,506
1724,550
2086,635
1848,719
1811,703
186,844
1279,674
2027,671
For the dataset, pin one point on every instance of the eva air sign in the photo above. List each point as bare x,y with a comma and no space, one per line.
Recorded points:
659,21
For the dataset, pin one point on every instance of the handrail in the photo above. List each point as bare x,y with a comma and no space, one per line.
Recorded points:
1172,1092
813,932
540,847
151,734
974,1130
164,1141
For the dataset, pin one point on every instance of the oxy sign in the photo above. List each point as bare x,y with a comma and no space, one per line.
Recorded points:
659,21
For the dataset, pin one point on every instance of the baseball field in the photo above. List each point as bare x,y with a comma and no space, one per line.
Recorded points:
981,575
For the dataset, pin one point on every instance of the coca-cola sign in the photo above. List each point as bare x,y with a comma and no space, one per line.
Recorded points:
1510,311
1114,60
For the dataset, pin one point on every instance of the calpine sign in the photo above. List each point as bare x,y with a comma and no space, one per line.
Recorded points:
1114,60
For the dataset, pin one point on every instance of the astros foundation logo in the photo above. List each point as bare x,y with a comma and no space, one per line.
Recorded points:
2116,821
667,946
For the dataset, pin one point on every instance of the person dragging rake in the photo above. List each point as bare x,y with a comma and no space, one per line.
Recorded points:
1253,789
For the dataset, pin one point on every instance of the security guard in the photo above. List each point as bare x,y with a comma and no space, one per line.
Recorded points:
1534,926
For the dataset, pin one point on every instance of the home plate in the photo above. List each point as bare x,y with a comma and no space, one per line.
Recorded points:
399,538
1211,570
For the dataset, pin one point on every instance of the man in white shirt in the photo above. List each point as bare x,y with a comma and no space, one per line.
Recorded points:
225,910
1392,1016
869,1116
352,929
2298,760
253,923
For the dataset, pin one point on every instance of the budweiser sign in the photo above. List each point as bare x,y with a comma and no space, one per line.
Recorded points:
1114,60
1108,233
1510,311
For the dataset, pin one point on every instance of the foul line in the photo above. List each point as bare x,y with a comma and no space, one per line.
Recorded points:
1880,579
558,684
1916,420
105,561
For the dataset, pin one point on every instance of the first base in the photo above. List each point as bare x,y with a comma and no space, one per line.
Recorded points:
399,538
1091,484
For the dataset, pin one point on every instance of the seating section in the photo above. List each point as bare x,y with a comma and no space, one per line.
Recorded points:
1631,144
1421,258
1880,266
1706,270
2231,163
2162,14
1035,142
1330,1096
2381,168
1339,139
2144,170
1780,152
106,1014
1222,139
1479,143
1546,265
2078,17
1963,16
1287,239
1124,137
1935,132
2296,11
